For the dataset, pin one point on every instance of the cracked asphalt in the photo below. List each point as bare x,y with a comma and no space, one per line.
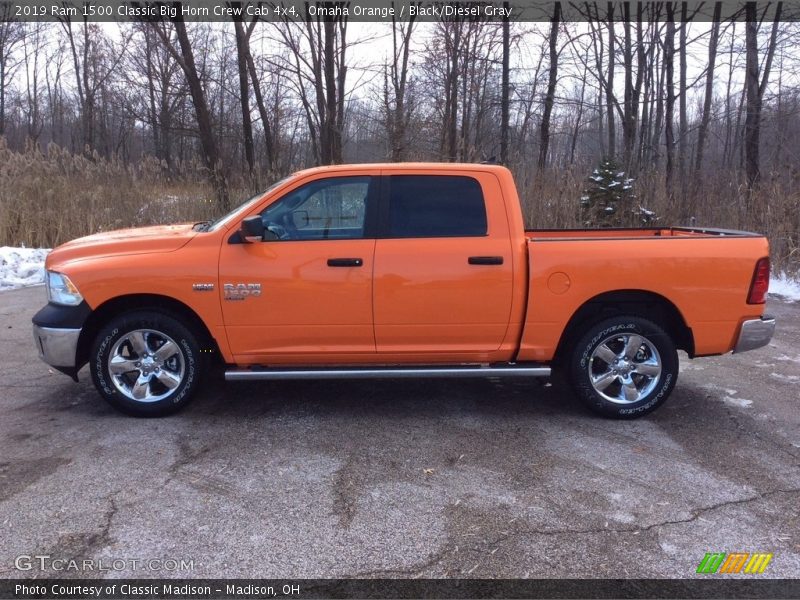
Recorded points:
436,478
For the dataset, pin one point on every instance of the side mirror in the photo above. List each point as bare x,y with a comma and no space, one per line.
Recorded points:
252,229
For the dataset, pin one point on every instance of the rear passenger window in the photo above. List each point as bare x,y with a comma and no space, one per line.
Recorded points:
435,206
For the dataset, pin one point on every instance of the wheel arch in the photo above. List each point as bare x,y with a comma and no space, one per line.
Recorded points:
100,316
639,303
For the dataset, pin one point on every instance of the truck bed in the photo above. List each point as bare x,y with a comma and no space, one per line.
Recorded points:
547,235
706,276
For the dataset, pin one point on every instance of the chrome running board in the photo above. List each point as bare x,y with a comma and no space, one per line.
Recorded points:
260,374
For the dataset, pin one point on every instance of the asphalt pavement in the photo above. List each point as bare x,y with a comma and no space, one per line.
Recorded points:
428,478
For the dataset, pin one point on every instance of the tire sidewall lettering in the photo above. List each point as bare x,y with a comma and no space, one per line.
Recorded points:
163,323
581,376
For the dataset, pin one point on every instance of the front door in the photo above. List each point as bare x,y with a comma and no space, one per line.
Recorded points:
305,290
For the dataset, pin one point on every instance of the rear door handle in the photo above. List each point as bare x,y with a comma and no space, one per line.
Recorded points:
345,262
485,260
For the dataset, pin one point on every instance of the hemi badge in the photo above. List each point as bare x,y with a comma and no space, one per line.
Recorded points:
203,287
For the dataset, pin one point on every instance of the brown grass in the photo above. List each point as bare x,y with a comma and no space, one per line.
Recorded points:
720,201
49,198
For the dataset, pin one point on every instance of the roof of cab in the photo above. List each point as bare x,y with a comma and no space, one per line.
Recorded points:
404,166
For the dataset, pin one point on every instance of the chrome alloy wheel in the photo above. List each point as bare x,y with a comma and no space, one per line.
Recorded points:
625,368
146,365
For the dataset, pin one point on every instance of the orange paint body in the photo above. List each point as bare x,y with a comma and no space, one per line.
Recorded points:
417,300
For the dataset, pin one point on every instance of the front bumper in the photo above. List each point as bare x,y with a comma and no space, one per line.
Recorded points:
755,333
57,347
57,332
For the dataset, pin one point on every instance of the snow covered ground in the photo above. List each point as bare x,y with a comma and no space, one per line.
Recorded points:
20,267
788,289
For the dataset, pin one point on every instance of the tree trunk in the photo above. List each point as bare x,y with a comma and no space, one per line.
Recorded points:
709,94
669,96
244,96
683,122
504,89
2,92
266,123
756,88
578,117
629,112
544,138
211,157
612,151
753,113
726,152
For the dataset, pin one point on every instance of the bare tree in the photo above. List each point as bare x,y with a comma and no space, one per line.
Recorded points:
505,87
552,80
396,106
683,119
318,60
756,87
267,121
11,33
669,100
242,50
32,46
94,59
705,117
184,56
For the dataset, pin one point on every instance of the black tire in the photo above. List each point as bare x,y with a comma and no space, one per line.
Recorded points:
148,367
589,372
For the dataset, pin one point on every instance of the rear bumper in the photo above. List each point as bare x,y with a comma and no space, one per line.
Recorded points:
755,333
57,347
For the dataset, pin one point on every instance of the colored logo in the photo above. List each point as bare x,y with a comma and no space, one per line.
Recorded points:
734,562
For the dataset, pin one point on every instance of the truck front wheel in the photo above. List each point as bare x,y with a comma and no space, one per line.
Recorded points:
145,363
624,367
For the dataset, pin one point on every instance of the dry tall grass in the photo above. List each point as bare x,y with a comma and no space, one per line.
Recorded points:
721,201
47,199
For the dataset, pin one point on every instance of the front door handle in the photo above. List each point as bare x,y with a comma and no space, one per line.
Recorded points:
345,262
485,260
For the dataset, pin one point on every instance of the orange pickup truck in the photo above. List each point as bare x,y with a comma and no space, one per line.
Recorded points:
398,270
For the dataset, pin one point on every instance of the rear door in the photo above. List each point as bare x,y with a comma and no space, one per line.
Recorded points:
443,273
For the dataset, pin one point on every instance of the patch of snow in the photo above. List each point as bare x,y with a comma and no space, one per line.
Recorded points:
788,358
668,548
717,388
692,367
787,378
740,402
785,287
21,267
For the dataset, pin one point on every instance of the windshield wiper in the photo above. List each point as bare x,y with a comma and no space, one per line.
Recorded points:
201,226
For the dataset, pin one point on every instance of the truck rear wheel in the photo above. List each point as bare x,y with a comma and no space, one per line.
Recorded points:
145,363
624,367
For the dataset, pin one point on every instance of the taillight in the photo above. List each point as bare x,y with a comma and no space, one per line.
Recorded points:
760,284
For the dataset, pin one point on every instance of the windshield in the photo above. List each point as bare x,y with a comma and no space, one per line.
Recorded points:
243,207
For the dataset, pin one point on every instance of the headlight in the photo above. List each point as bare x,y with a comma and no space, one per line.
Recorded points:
60,290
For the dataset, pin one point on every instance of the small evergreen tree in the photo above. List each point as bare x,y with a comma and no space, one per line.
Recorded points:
609,199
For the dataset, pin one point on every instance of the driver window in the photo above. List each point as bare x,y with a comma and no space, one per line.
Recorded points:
325,209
